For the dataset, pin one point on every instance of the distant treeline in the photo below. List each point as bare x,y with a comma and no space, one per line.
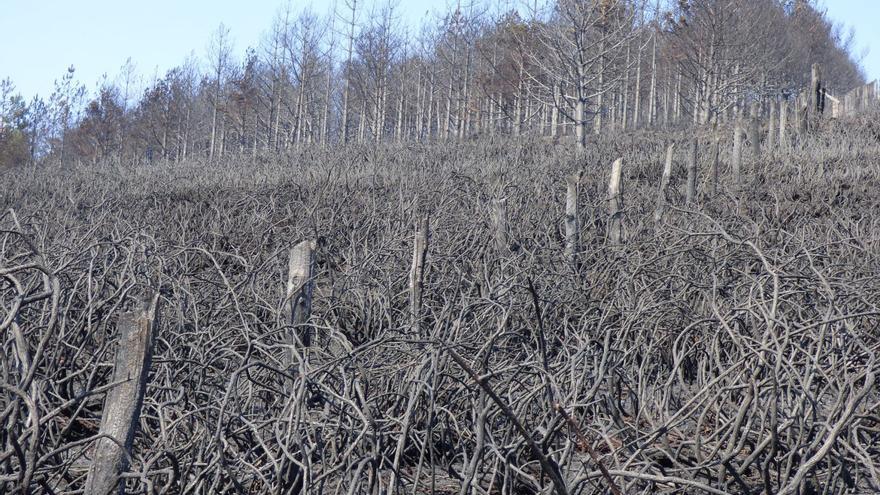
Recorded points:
567,67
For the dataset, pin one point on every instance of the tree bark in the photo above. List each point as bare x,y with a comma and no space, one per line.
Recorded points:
783,123
298,296
122,407
615,204
737,152
417,273
771,128
716,165
500,226
691,197
665,177
754,131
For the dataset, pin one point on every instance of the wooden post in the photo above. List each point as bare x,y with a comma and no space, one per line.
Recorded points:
572,219
298,297
771,129
737,151
783,123
417,272
691,197
615,204
663,197
803,110
499,224
122,406
816,89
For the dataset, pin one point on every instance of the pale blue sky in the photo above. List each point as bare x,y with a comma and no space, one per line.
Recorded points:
39,39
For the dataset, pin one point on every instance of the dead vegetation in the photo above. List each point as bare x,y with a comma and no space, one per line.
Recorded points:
729,347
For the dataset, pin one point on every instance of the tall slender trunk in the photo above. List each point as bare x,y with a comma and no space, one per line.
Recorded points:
274,104
256,133
600,98
448,122
438,124
325,117
624,117
464,114
186,134
637,96
213,132
581,122
222,140
347,73
164,142
277,124
428,123
381,109
362,124
783,123
420,96
678,103
300,110
398,131
666,99
517,114
554,112
652,93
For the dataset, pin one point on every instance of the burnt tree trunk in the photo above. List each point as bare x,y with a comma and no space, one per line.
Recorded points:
298,296
615,204
122,407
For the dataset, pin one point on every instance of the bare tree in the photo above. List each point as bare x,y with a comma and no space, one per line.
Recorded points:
578,44
351,22
220,57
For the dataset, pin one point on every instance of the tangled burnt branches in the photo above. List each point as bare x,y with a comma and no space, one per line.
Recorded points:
730,348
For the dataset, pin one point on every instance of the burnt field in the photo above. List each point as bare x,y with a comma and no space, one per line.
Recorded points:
723,345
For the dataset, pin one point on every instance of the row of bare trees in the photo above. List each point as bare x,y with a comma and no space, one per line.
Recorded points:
555,68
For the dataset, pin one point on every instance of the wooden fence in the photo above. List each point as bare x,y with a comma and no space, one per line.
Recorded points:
856,101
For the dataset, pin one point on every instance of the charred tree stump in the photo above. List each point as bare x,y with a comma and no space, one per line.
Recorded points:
615,204
817,94
417,273
663,197
122,406
298,296
499,225
691,194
